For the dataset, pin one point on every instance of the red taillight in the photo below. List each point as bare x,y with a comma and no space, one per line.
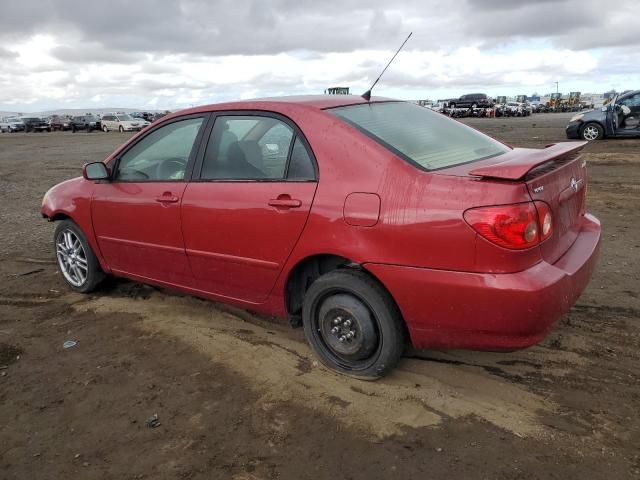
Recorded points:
518,226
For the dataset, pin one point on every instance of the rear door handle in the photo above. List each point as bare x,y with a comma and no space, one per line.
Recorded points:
285,201
167,198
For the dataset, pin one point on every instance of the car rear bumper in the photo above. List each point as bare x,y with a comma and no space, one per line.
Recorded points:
573,129
484,311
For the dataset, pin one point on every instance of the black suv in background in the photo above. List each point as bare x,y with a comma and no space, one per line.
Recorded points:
471,100
85,122
35,124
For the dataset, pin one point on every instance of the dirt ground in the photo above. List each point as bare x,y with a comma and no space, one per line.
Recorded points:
241,396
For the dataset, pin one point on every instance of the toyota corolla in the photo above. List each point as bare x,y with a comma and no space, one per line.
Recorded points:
369,223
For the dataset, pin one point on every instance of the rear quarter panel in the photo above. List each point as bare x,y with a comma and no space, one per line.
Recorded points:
421,215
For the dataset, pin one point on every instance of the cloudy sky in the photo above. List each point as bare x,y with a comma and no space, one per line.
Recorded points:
176,53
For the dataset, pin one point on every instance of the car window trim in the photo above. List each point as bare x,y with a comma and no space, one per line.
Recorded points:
192,156
196,176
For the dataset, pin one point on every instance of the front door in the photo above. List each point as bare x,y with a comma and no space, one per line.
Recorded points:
243,215
136,216
629,122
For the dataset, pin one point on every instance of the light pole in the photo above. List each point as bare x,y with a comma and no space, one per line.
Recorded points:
557,90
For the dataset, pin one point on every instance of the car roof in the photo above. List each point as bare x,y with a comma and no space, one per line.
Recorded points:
628,94
310,101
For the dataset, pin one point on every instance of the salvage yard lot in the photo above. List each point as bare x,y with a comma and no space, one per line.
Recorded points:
241,396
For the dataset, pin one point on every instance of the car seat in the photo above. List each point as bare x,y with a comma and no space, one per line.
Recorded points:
236,165
252,153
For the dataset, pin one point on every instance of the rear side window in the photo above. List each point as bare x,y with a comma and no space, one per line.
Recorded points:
255,147
419,135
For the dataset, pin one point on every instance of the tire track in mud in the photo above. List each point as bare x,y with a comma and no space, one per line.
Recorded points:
282,368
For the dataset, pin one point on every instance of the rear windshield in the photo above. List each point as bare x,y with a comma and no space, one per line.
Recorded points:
419,135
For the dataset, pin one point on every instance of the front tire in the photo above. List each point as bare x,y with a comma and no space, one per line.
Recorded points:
77,263
121,129
105,129
592,131
353,324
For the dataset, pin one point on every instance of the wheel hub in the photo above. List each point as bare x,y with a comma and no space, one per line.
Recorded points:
347,328
72,258
343,329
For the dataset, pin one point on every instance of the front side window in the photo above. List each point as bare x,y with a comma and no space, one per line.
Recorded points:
633,101
162,155
419,135
247,147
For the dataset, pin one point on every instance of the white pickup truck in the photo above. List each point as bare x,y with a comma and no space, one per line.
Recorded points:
11,124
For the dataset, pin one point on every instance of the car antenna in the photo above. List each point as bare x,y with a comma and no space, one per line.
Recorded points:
367,95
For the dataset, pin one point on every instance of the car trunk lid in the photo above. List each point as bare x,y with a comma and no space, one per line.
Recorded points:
555,175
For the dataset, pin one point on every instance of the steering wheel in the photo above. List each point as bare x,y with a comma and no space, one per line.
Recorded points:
167,169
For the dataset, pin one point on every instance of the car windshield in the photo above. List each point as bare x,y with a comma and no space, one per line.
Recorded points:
423,137
124,118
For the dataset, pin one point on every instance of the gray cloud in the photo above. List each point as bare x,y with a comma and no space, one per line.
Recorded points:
250,27
90,52
144,43
4,53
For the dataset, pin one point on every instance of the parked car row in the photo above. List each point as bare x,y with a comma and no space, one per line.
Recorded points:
121,122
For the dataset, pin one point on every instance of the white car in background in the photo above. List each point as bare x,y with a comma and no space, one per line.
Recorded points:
11,124
121,122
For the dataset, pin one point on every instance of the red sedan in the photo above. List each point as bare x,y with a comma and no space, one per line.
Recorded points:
366,221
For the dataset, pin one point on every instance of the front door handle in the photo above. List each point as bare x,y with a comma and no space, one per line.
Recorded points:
167,197
285,201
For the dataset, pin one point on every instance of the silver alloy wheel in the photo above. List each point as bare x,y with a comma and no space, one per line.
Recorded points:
590,133
72,258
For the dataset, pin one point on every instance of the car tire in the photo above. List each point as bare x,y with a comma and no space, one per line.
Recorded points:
121,129
352,324
77,263
105,129
591,131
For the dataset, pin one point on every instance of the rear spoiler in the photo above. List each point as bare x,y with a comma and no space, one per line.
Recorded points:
516,163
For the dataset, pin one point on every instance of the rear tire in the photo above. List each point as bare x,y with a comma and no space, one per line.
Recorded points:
592,131
121,129
105,129
77,263
353,324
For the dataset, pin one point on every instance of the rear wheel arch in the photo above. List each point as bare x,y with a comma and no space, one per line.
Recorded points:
303,274
308,270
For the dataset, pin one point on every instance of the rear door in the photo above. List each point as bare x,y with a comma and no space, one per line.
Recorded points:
247,205
136,215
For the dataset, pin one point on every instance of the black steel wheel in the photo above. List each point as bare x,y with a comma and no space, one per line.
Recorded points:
353,324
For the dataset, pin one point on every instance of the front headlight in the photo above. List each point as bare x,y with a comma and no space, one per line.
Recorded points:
577,117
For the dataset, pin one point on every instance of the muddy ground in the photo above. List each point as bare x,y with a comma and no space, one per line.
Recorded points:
240,396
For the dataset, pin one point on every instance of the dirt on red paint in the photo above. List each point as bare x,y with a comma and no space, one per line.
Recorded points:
241,396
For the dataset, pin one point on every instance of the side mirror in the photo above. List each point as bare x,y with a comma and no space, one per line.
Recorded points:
95,171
